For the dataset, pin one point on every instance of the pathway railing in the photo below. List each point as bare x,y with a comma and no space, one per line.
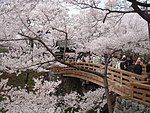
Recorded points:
141,92
121,82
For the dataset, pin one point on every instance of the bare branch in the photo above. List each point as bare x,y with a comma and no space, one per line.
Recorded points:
59,30
144,15
27,26
119,20
134,5
140,3
104,9
66,40
61,61
105,17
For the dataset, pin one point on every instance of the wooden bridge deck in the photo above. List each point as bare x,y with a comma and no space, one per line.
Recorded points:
121,82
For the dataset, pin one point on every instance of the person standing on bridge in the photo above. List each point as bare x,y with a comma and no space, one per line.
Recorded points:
123,64
129,62
138,67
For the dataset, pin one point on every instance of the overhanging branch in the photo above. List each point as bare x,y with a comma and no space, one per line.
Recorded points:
144,15
134,5
140,3
61,61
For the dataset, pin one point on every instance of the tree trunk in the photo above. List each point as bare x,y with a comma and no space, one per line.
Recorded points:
106,86
65,47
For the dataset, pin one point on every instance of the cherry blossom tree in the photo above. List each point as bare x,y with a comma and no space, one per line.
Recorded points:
94,35
31,29
136,8
40,100
35,19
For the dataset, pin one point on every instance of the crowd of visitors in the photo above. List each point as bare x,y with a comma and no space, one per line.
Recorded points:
125,62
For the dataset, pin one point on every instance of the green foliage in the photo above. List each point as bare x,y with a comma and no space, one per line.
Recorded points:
19,81
71,110
3,50
2,110
2,98
68,85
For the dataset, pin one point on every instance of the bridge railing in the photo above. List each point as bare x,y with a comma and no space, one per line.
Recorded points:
119,80
120,76
124,77
141,92
89,66
122,80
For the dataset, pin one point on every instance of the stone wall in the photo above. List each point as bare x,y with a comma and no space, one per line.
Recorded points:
124,105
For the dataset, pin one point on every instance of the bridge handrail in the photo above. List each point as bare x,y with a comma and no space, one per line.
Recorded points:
124,77
95,65
99,65
132,76
119,76
141,92
113,73
120,81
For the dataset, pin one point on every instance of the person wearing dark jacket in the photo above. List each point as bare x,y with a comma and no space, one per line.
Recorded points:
129,63
137,67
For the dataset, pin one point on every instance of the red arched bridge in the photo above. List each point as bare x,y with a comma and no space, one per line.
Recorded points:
121,82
